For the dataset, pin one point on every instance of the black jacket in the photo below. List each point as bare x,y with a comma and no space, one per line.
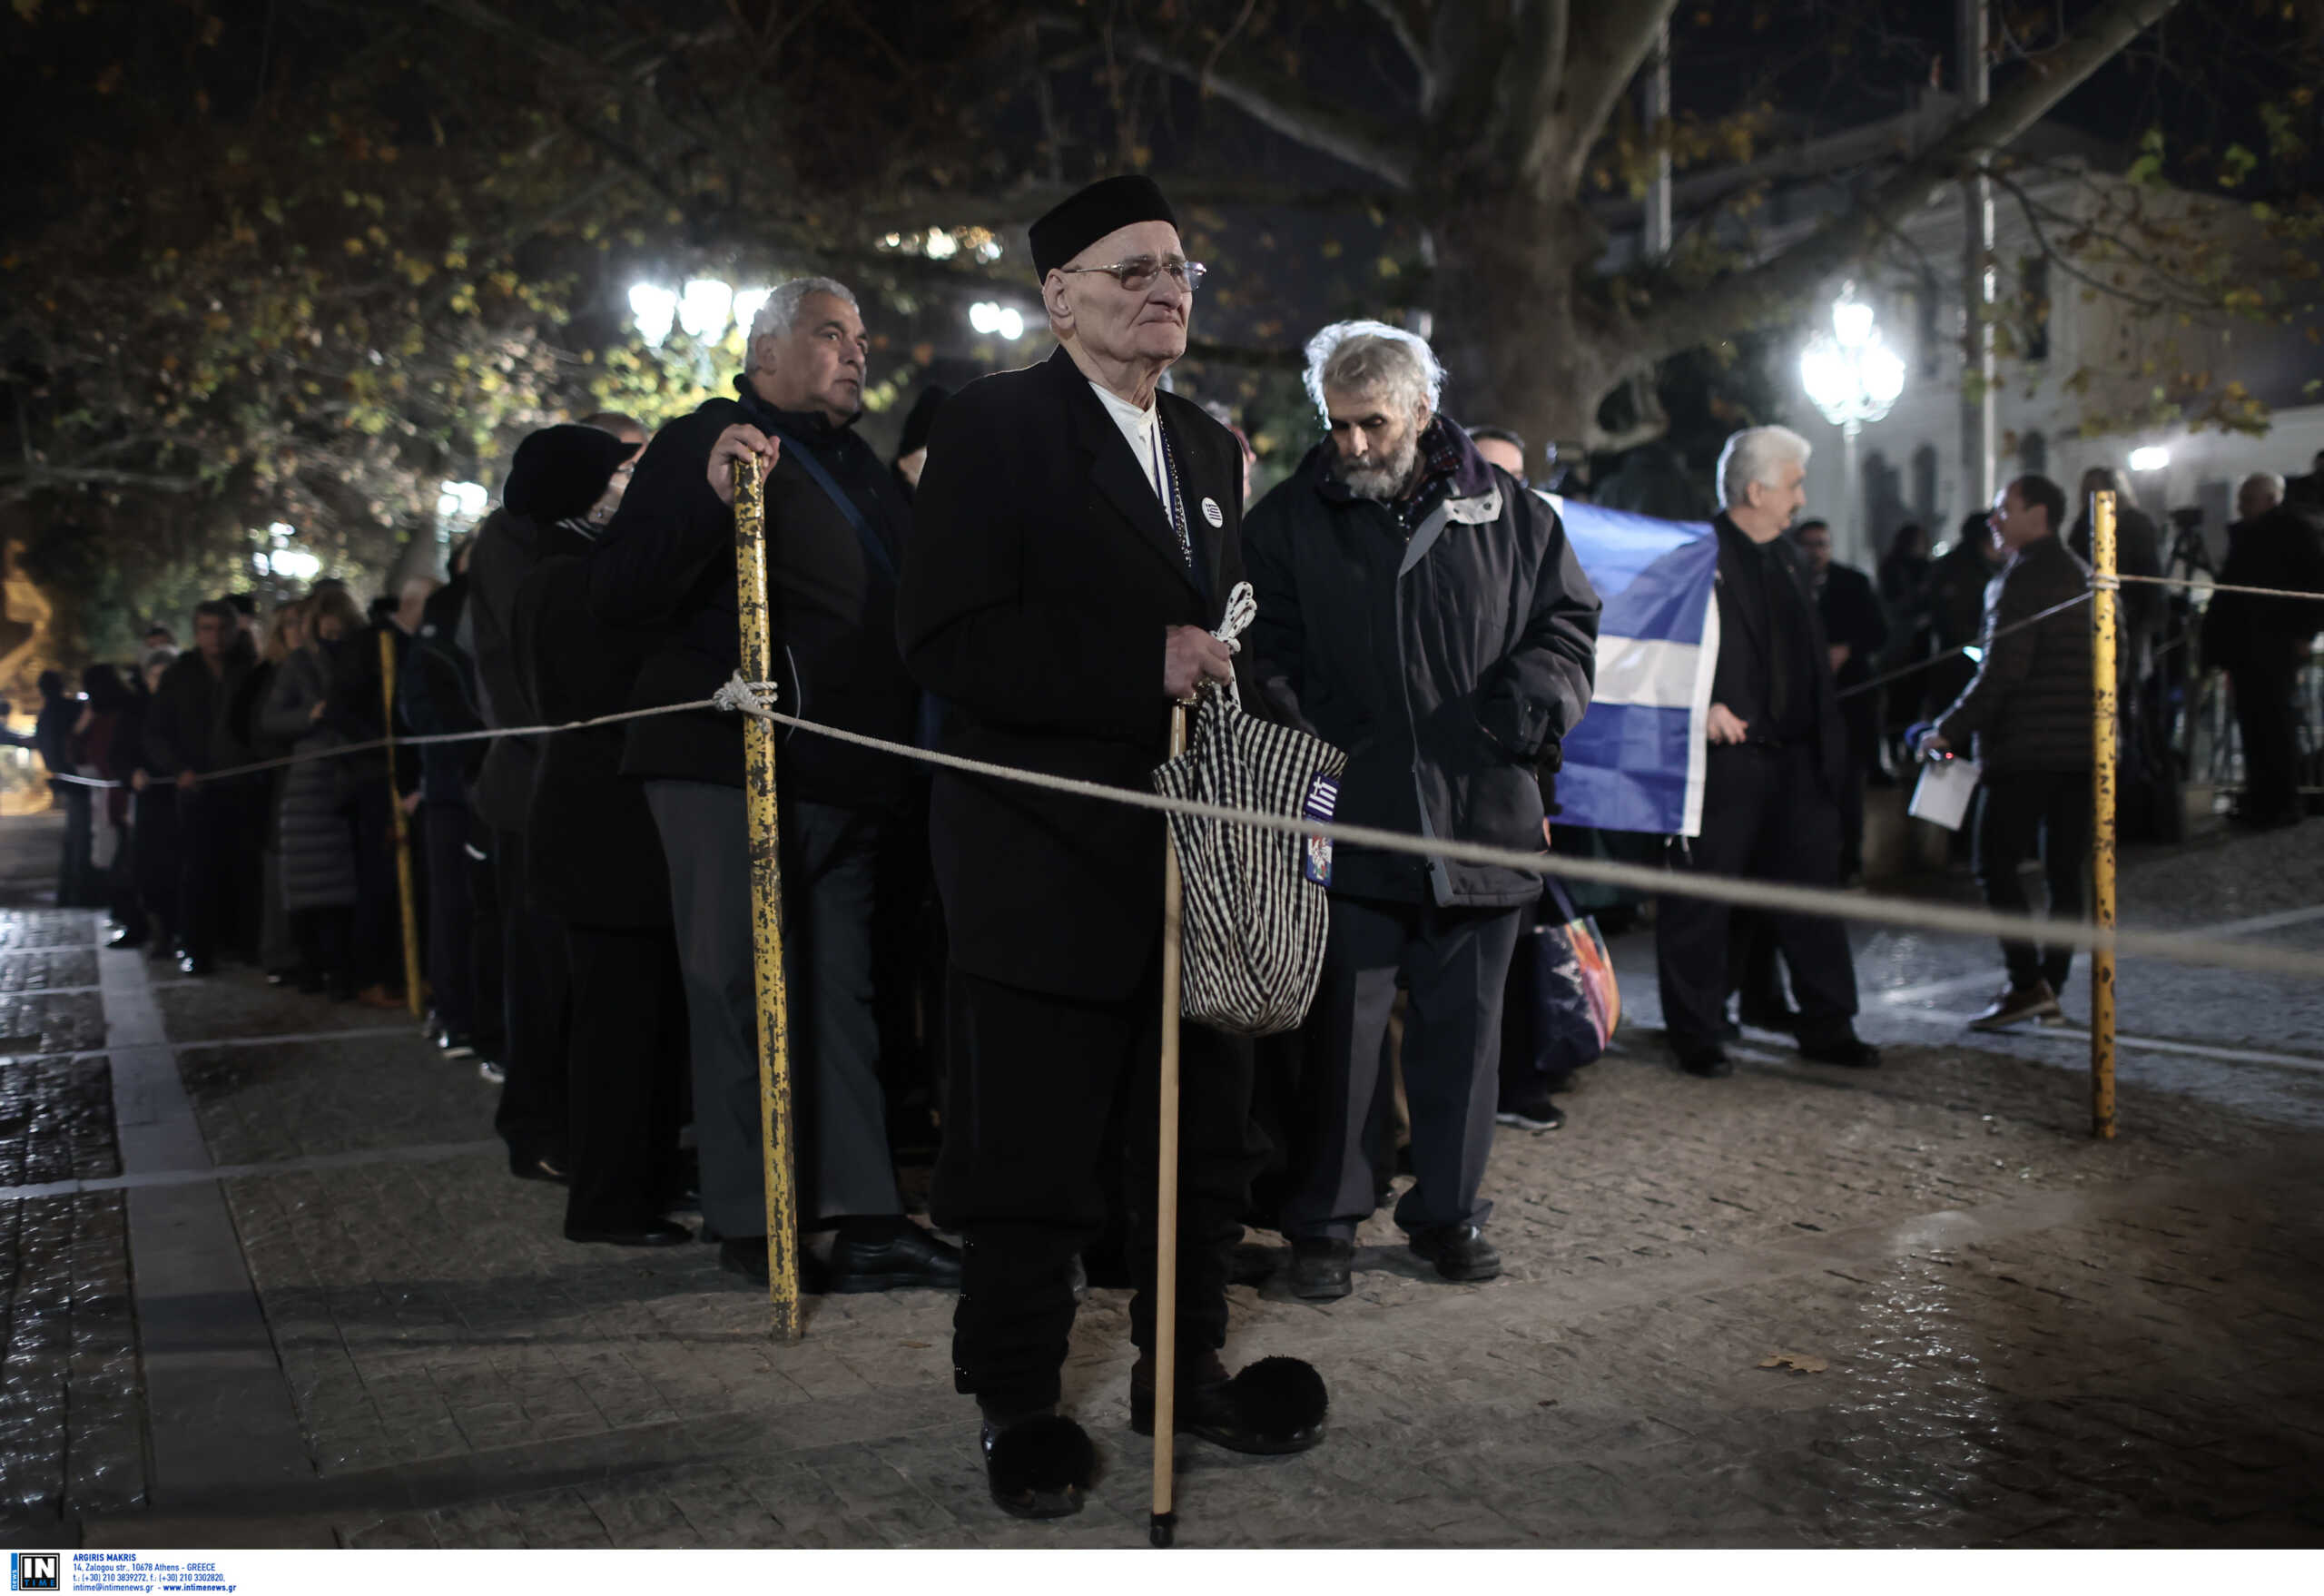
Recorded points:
190,726
667,562
594,853
1852,614
2282,549
1040,577
436,696
1743,678
506,549
2029,706
1448,660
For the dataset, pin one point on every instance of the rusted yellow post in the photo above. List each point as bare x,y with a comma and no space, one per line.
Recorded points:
1166,1197
766,913
415,988
2104,611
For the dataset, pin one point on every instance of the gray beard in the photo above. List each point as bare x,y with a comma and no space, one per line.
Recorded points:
1383,482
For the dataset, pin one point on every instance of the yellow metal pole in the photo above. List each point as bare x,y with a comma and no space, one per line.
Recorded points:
415,988
766,913
2104,612
1166,1204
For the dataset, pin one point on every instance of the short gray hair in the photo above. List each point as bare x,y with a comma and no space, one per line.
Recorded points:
1752,456
780,313
1365,357
2267,479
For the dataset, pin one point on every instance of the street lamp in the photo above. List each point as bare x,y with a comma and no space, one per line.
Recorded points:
1853,376
1005,320
654,309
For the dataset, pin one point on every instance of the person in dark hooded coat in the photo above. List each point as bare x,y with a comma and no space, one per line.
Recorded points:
559,476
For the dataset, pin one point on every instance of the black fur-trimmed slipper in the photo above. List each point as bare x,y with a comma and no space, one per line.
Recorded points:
1274,1407
1040,1468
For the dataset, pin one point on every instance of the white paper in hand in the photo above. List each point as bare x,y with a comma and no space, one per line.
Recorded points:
1943,792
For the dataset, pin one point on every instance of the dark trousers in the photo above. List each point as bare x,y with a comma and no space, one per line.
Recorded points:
629,1054
1765,814
221,825
2269,720
324,937
451,911
1454,963
2018,814
536,994
379,911
154,838
1034,1084
486,940
830,864
1851,807
78,882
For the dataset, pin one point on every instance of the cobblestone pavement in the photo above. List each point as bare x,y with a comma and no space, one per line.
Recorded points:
1984,1328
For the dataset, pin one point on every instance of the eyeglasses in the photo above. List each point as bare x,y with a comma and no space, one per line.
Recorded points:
1138,274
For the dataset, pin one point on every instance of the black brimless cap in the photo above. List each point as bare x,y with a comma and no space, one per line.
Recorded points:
1105,205
561,471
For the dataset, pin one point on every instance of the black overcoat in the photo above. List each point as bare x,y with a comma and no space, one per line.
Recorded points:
591,846
1041,575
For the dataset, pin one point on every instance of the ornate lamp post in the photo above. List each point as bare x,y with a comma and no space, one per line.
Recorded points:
1853,376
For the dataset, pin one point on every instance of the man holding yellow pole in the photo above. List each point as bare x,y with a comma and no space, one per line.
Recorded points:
2028,711
1077,537
835,527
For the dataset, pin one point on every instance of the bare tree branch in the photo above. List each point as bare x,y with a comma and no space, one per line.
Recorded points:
1608,42
1749,296
1406,27
1279,103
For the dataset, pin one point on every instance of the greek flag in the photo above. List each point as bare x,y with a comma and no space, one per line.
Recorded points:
1636,762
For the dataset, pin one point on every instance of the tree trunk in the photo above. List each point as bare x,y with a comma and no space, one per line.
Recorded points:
1520,348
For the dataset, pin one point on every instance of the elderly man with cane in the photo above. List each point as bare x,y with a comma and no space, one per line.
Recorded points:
1077,535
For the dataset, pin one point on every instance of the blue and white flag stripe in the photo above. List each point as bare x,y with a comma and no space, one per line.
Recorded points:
1636,762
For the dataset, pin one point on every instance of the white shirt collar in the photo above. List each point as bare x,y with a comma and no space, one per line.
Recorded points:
1125,415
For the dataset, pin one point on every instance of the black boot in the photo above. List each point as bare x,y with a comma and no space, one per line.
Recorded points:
1274,1407
1037,1465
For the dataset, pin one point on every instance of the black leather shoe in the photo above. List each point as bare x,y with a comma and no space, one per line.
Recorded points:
1711,1063
1460,1252
746,1256
539,1166
1272,1408
1853,1053
1040,1466
454,1044
2016,1004
909,1258
654,1233
126,940
1320,1268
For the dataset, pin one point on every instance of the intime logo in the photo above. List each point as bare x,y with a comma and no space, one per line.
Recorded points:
35,1570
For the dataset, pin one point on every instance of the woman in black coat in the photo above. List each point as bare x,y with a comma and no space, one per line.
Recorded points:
315,831
596,864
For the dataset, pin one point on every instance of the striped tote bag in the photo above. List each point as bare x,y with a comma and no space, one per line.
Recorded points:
1256,905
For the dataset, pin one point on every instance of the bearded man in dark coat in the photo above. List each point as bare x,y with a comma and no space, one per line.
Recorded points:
1077,535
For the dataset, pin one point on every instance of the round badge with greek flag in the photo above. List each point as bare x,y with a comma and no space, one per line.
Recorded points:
1212,513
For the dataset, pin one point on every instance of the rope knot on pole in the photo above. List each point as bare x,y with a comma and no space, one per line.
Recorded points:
737,696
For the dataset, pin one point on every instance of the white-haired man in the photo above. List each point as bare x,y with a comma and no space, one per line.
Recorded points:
1421,610
1778,755
1077,538
2262,643
836,529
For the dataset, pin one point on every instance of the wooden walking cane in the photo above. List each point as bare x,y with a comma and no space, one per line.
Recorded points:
416,993
766,913
1164,1519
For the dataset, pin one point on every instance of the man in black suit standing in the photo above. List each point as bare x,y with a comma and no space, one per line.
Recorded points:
1778,756
1077,534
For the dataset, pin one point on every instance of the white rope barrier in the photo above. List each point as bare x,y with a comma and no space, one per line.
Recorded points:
738,696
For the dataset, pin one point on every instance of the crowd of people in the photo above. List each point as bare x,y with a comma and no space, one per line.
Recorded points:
1032,582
